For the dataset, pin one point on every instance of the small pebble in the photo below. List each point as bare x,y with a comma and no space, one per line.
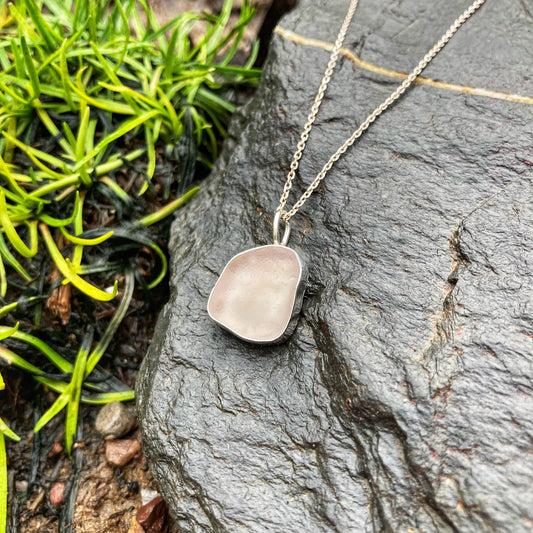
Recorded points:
114,420
153,516
56,494
56,449
21,485
121,452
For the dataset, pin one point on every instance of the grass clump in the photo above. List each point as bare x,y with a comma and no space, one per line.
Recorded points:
99,106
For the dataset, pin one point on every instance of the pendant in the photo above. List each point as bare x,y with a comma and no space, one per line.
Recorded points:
259,294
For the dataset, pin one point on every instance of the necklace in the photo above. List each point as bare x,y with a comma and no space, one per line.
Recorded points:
259,294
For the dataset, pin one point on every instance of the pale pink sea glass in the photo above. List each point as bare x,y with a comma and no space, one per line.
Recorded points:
255,296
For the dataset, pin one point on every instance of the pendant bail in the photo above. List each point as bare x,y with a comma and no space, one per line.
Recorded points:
275,229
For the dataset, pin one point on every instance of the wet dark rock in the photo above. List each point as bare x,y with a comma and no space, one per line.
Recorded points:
403,400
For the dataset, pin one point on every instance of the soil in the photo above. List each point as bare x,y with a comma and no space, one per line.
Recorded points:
102,498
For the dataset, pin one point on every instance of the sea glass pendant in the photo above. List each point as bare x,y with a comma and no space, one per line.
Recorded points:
259,294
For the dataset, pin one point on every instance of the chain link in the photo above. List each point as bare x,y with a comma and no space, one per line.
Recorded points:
287,215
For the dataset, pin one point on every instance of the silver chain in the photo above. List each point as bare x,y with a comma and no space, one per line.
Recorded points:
287,215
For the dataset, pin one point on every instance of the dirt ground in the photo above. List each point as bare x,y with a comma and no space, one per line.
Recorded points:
98,497
107,497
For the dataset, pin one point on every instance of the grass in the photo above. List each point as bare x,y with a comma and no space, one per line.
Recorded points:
4,432
99,105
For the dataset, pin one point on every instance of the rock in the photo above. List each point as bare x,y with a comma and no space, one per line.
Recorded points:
153,515
114,420
121,452
21,485
402,402
56,449
57,493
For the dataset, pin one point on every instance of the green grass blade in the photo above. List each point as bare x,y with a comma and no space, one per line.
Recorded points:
14,94
175,123
30,67
111,74
141,238
126,32
12,358
60,403
4,310
4,430
18,59
150,148
65,79
37,154
85,114
50,37
60,362
85,242
77,254
168,209
50,187
93,20
5,63
6,332
89,140
3,480
3,279
213,38
8,433
119,132
120,313
71,422
117,189
101,103
169,54
61,222
105,168
11,232
69,135
12,129
68,272
107,397
212,98
6,172
132,96
52,128
61,12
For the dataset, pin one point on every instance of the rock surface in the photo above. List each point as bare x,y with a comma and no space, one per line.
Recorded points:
403,400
